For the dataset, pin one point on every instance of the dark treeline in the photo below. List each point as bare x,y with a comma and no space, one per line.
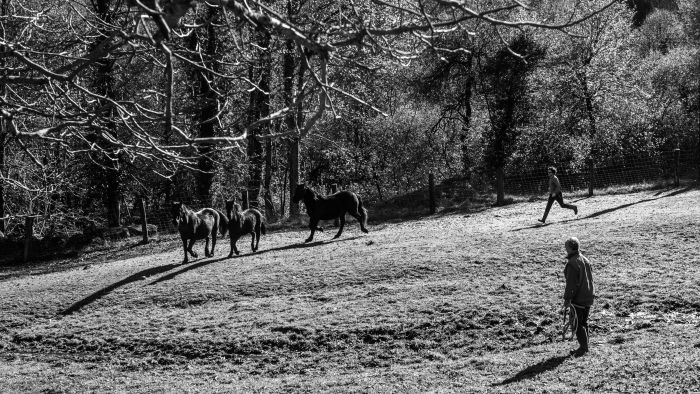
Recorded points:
105,101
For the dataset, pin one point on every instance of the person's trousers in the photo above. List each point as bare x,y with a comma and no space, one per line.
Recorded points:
558,198
582,325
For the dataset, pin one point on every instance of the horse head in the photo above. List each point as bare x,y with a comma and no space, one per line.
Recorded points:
300,192
232,207
176,211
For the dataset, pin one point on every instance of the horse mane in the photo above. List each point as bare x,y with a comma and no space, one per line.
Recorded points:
313,194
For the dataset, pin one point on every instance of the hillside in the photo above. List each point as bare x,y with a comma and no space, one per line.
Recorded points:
448,303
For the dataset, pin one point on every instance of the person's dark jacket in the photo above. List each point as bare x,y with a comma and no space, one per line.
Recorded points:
579,280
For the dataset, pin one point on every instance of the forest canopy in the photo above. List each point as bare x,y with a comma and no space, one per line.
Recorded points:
105,100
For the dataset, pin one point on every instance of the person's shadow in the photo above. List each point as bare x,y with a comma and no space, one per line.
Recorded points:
534,370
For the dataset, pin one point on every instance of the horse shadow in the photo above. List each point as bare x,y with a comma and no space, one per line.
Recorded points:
204,263
534,370
103,292
657,196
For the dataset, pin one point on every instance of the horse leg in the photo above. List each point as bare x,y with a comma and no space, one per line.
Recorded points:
252,241
313,225
234,249
189,248
213,243
342,224
206,248
257,234
360,220
184,247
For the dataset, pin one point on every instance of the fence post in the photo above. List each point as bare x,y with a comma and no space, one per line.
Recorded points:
591,176
676,165
28,233
144,223
431,192
334,189
244,199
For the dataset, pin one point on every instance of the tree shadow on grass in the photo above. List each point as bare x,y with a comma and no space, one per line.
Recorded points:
286,247
534,370
103,292
605,211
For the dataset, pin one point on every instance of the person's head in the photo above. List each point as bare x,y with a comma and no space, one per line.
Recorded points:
551,171
572,245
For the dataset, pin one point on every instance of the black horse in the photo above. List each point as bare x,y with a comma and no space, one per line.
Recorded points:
241,222
331,207
203,224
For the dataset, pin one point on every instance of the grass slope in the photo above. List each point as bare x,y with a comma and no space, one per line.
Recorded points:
465,303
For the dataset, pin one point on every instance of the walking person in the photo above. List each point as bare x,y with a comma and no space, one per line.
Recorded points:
579,291
555,194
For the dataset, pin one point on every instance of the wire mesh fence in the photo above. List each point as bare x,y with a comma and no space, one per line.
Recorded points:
654,168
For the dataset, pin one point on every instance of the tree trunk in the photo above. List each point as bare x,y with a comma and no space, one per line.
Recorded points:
207,98
259,107
3,127
467,117
591,120
500,186
104,84
283,203
2,173
114,212
292,118
269,206
697,153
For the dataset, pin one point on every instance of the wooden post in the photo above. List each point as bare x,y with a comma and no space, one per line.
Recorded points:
591,175
431,192
676,165
28,233
144,223
244,199
500,186
334,189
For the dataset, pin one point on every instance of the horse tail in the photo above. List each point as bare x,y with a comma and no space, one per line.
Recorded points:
363,214
222,223
261,221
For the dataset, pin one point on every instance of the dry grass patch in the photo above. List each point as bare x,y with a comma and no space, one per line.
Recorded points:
448,303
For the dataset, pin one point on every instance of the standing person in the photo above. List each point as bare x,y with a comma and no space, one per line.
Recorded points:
555,194
579,291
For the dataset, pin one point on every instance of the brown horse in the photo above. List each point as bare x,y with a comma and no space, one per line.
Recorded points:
240,223
203,224
330,207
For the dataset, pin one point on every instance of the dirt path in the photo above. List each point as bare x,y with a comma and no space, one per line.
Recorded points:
444,303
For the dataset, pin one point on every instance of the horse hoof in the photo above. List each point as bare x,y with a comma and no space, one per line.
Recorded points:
230,255
237,253
336,237
364,230
308,240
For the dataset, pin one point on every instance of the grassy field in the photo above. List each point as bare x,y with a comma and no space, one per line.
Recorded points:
450,303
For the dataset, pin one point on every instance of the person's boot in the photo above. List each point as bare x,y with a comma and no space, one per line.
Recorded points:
582,337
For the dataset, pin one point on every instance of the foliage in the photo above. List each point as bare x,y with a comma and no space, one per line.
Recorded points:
107,101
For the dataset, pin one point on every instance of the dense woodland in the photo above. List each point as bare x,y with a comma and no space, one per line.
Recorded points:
104,101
